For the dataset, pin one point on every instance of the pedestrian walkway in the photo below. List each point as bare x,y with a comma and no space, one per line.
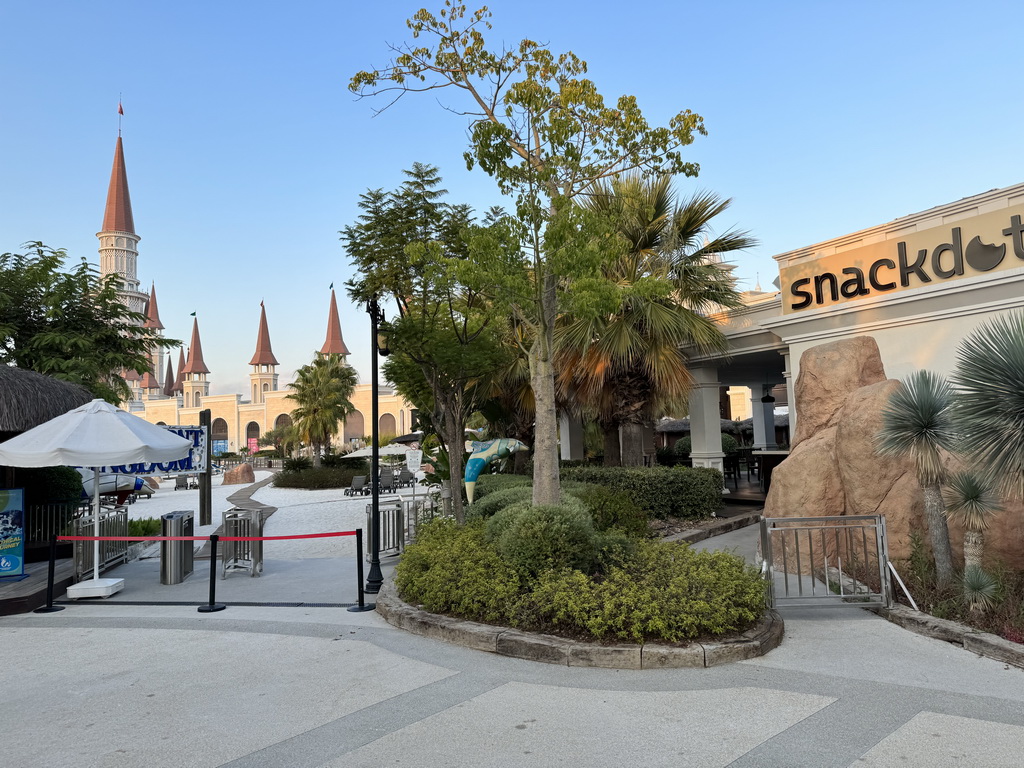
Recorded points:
109,684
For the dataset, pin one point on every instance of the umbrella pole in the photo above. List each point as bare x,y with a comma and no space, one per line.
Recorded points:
96,523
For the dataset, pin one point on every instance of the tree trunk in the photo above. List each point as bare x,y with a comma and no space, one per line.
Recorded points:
546,486
612,456
454,438
938,533
974,547
632,445
317,461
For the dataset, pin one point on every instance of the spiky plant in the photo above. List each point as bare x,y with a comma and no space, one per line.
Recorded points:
917,424
990,409
971,500
980,590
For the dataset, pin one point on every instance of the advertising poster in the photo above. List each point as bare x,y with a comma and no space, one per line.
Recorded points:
12,532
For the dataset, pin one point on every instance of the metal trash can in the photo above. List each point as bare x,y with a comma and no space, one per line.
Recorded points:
176,557
242,555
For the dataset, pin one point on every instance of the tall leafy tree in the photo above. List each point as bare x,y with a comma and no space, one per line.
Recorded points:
626,367
918,424
407,244
322,391
70,323
542,130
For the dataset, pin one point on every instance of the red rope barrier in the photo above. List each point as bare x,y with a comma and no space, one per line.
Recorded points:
205,538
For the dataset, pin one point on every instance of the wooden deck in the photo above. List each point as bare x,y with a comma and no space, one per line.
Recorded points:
28,594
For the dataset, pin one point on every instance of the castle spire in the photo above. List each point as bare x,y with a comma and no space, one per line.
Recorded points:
264,355
117,217
334,345
195,362
152,312
180,378
169,379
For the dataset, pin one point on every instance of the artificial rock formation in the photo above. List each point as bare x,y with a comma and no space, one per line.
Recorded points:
240,475
833,468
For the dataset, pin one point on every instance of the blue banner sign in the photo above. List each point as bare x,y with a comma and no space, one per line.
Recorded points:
12,532
194,462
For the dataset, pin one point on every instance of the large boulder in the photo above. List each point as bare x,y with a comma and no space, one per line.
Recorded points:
240,475
829,373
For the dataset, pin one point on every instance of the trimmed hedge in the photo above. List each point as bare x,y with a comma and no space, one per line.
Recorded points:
612,509
689,492
538,539
316,478
486,484
498,500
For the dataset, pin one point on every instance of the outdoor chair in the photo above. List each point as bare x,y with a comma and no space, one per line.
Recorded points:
405,478
387,481
181,482
358,486
731,470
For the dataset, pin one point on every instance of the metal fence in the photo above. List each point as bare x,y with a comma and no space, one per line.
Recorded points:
44,521
113,522
819,561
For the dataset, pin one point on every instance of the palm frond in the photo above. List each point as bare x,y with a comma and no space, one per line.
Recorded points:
918,422
971,500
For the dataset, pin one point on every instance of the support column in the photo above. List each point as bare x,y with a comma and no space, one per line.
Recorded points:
570,437
790,393
705,420
764,418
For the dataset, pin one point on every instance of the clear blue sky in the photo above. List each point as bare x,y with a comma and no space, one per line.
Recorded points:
246,154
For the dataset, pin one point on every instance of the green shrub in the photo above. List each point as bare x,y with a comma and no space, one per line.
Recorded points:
341,461
690,492
542,538
729,444
49,485
498,500
149,526
297,464
682,447
666,457
613,509
454,570
315,478
665,591
487,484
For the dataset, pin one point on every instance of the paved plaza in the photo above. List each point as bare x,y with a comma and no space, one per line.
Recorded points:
120,683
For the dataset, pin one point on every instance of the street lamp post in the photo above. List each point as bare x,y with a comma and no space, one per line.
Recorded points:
375,578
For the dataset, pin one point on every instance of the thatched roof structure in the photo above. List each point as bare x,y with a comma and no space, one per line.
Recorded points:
28,399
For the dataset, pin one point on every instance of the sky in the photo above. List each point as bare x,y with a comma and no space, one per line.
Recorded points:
246,153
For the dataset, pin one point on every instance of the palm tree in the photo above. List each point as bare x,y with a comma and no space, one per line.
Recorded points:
628,367
918,424
322,391
990,404
971,501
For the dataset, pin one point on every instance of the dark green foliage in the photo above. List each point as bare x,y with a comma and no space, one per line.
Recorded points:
612,509
487,484
498,500
362,466
452,569
542,538
665,591
315,478
682,446
729,443
666,457
149,526
49,485
660,491
297,464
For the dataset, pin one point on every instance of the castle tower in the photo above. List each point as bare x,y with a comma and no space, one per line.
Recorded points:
195,385
119,245
179,380
156,354
169,379
263,377
334,345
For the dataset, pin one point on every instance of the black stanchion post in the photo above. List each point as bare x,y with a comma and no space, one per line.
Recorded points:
359,576
205,477
213,605
50,607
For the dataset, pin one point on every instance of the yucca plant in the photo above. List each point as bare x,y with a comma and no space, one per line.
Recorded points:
980,590
918,423
990,409
971,500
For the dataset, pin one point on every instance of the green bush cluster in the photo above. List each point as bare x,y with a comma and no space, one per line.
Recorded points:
649,591
297,464
360,465
689,492
487,484
610,508
499,499
537,539
316,478
149,526
683,445
49,485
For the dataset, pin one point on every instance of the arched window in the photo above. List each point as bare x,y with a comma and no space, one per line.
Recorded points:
196,403
354,428
218,437
388,426
284,420
252,436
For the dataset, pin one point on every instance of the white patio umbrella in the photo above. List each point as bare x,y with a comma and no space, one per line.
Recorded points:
95,435
391,449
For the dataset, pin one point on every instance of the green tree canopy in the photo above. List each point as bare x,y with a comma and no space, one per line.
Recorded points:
70,324
322,389
542,130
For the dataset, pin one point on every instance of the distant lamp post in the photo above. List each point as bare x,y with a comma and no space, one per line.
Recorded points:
375,578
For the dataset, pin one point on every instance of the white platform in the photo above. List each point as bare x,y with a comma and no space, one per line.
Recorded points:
95,588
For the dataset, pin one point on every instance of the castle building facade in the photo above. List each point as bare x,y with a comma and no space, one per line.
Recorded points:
162,396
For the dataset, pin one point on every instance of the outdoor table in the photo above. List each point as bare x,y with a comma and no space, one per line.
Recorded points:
769,460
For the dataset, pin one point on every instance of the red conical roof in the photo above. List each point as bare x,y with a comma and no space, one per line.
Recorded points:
149,381
335,345
117,217
152,312
264,355
131,375
169,379
180,378
195,363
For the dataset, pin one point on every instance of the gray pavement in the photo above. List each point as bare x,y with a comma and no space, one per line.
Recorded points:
111,683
